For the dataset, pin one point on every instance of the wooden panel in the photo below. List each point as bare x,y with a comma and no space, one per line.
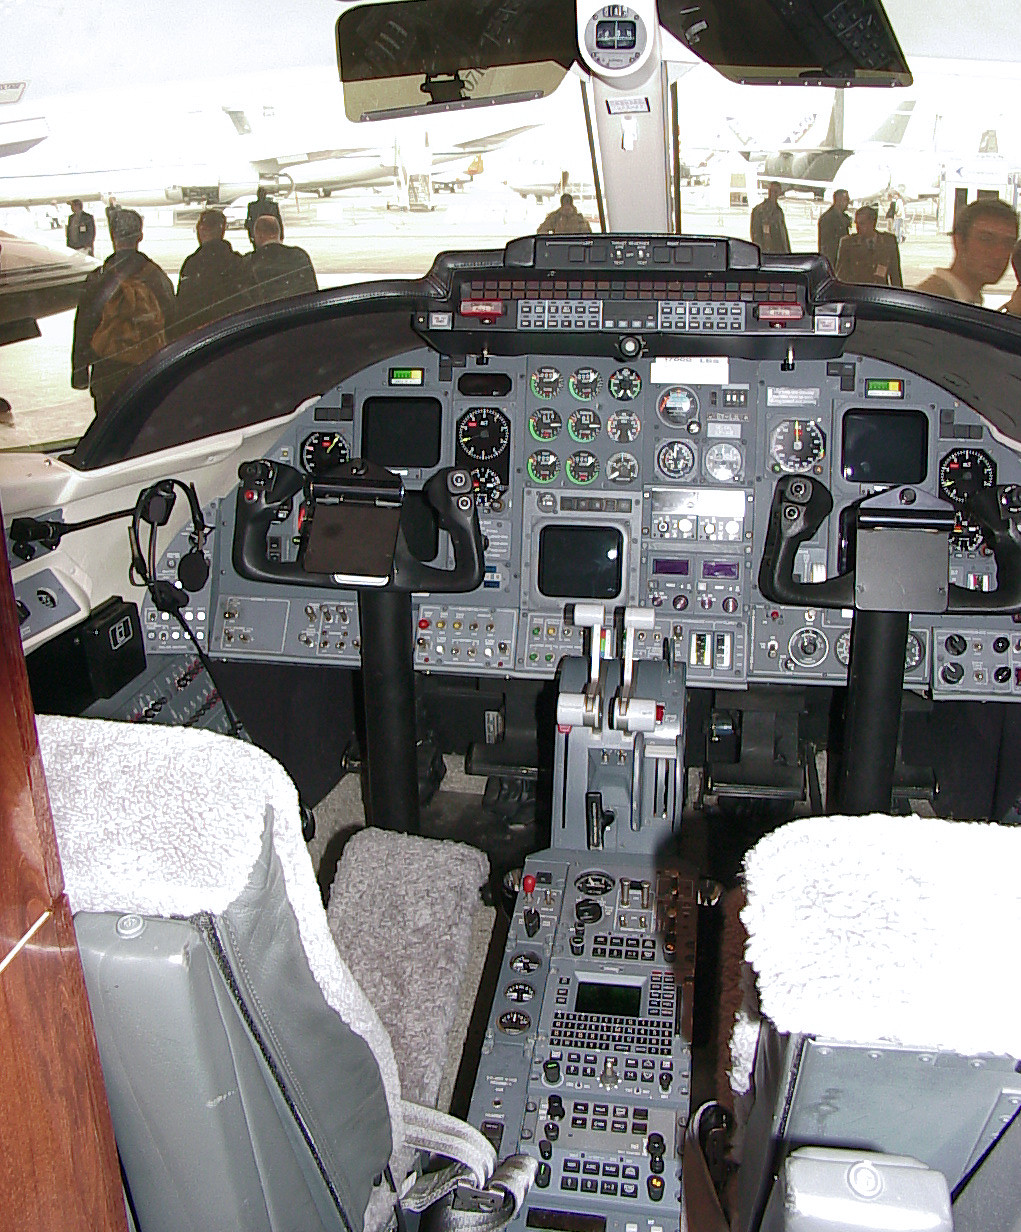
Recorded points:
29,868
58,1161
55,1164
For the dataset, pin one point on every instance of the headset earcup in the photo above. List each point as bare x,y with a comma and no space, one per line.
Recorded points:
193,571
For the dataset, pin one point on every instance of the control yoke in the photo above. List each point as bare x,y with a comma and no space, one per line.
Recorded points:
351,535
887,575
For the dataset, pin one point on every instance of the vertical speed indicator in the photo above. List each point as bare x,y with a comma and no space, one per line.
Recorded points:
797,445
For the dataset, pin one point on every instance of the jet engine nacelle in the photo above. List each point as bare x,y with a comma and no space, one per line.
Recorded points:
865,177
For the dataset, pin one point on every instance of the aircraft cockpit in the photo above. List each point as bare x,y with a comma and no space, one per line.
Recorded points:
697,568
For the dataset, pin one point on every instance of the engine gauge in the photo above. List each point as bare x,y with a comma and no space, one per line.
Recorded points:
796,445
584,425
625,384
582,467
676,406
487,485
320,451
546,382
543,466
584,384
675,459
966,536
964,471
519,991
622,468
623,427
842,647
723,462
483,432
545,425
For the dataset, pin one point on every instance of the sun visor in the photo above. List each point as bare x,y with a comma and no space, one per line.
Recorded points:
409,58
791,42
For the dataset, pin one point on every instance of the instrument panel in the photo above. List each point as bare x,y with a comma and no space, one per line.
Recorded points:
642,481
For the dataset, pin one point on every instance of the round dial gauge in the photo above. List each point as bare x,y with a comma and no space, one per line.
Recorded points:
966,536
675,459
322,450
623,427
483,433
525,962
963,472
625,384
545,425
584,425
914,651
546,382
519,991
584,384
622,468
487,485
543,466
583,467
514,1022
596,883
797,445
676,406
723,462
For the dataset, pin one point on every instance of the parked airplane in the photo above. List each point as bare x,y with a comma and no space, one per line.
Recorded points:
220,153
877,166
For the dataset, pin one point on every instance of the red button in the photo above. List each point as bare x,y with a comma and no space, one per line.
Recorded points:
250,495
423,623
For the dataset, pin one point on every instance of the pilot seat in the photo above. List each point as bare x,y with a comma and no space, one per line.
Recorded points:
254,1080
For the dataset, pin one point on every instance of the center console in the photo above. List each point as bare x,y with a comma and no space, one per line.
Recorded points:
586,1063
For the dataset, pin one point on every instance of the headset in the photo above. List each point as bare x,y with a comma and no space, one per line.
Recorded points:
154,506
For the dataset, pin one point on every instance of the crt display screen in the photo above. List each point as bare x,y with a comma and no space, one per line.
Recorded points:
885,447
403,433
580,562
618,1000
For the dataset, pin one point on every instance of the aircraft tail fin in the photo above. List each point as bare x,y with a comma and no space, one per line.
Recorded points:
893,128
834,139
988,142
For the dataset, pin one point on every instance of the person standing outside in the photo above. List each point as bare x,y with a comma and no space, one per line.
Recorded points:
81,229
567,220
984,236
263,206
1013,305
213,281
124,314
834,224
869,256
276,270
768,225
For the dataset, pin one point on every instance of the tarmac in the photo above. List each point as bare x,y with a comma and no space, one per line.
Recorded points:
353,237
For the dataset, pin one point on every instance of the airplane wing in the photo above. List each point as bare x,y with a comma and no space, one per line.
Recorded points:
36,281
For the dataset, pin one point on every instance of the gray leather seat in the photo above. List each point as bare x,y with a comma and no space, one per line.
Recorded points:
251,1082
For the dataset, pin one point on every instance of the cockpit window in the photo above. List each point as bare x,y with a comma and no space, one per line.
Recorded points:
153,192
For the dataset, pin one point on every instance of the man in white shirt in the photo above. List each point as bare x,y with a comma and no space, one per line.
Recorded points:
984,236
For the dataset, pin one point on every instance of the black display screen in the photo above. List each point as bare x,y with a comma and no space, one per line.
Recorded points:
678,568
580,562
885,447
403,433
564,1221
617,1000
729,569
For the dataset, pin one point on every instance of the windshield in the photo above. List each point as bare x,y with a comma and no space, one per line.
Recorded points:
218,169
